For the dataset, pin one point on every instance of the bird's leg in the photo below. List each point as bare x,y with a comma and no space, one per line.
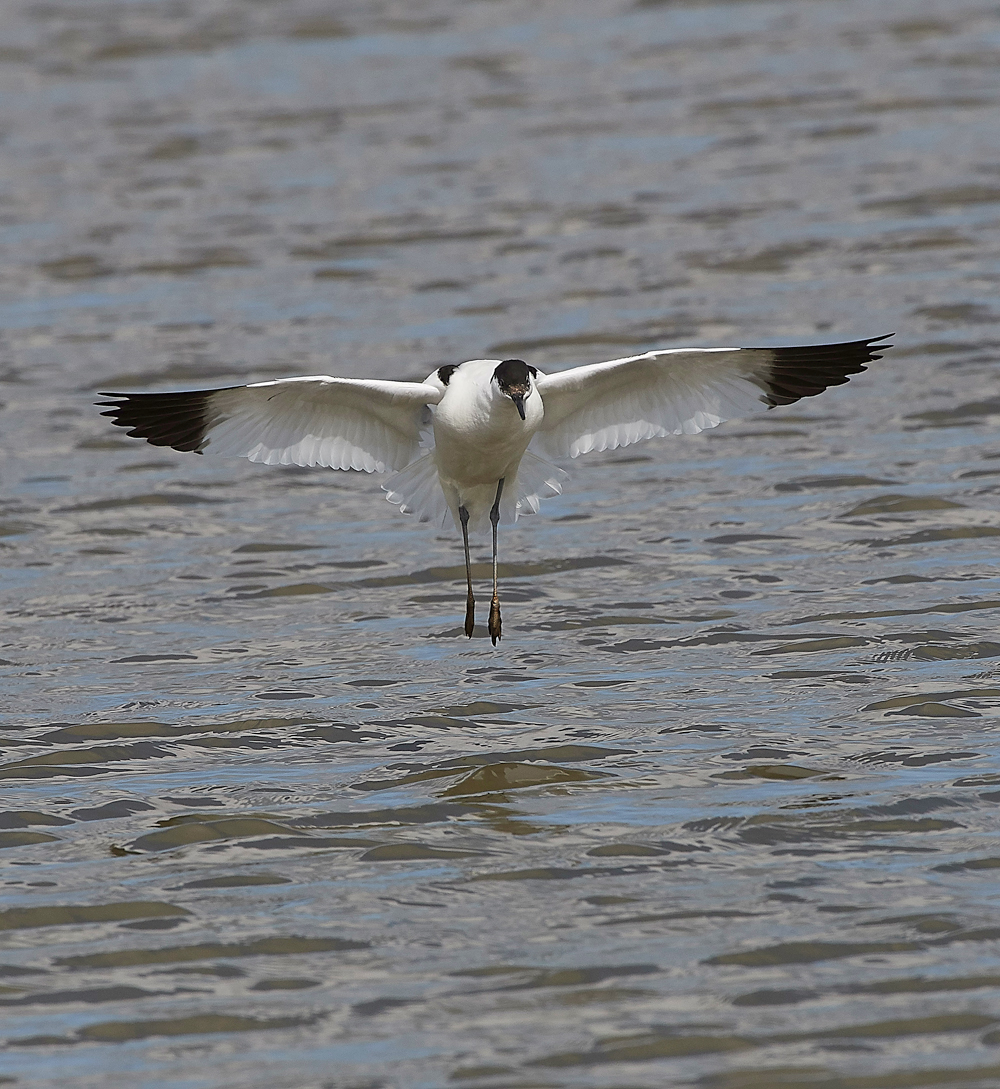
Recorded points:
494,624
470,601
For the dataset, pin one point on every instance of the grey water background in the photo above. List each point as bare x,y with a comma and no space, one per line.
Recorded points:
721,809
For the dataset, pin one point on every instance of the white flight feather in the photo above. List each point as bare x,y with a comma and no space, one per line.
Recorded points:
340,423
677,391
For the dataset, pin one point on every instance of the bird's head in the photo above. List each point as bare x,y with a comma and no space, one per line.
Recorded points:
513,378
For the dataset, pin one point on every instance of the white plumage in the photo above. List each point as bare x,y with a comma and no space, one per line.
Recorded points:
458,442
340,423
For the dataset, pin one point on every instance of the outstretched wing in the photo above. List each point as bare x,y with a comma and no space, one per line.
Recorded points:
681,391
343,423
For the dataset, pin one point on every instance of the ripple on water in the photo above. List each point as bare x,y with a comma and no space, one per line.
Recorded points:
719,811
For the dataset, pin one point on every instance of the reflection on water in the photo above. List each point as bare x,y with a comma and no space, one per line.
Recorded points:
721,811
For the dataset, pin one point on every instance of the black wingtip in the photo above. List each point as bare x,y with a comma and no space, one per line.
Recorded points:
877,341
177,420
806,370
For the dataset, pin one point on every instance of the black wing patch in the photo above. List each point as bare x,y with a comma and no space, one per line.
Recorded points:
803,372
179,420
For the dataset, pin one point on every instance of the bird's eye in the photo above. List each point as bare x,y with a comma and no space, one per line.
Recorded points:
445,373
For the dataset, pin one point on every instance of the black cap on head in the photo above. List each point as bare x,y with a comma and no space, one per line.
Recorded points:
513,374
514,379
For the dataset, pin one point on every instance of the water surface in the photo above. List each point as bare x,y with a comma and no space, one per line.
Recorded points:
720,811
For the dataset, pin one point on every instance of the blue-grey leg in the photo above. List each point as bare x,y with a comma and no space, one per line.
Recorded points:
494,624
470,601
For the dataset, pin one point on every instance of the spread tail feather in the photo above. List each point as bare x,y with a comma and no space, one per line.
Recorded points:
537,479
417,490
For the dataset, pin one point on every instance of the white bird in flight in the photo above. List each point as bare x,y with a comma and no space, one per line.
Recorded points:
458,442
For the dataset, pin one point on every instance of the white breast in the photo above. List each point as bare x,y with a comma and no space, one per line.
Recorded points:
478,434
